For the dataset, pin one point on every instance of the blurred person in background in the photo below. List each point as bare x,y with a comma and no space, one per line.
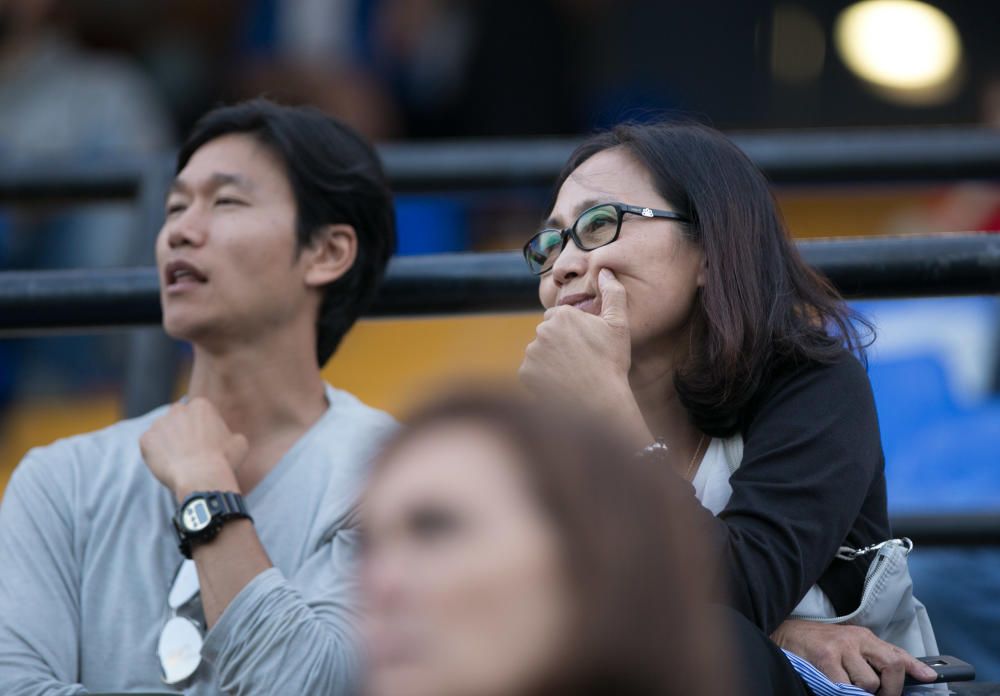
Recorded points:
279,225
316,52
677,306
513,549
62,103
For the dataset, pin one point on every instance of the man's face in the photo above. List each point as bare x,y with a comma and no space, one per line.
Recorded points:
226,254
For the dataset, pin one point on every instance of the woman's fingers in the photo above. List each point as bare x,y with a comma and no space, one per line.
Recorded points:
614,302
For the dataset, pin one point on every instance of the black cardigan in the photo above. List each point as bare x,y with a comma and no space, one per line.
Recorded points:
812,478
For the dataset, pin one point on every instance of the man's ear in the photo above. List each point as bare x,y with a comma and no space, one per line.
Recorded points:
330,254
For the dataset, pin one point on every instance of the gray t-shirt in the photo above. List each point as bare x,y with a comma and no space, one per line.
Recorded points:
87,555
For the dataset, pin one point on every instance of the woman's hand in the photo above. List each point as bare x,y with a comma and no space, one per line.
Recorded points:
852,655
585,358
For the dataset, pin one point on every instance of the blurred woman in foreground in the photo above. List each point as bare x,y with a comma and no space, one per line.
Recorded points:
503,556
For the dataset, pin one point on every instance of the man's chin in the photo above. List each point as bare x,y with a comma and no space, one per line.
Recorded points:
186,328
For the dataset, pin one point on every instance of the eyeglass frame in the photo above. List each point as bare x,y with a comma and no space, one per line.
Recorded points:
570,232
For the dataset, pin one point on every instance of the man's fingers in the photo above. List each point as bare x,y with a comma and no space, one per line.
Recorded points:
834,673
917,669
614,302
236,449
894,664
892,682
861,673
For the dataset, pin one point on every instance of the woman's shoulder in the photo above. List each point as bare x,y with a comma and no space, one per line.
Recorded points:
809,386
842,370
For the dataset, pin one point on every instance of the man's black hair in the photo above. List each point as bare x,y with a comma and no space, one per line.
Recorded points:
336,178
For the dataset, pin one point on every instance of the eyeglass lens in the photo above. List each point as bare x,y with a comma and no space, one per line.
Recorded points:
594,228
179,646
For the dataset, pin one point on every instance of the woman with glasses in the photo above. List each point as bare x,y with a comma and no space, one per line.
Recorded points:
678,308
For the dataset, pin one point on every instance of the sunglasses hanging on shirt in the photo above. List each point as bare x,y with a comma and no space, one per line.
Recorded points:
179,647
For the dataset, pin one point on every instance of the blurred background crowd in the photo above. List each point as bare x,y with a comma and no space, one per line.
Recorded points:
90,80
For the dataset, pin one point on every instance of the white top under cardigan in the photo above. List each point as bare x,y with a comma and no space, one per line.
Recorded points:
711,486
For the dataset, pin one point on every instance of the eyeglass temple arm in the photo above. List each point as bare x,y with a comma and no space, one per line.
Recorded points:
653,212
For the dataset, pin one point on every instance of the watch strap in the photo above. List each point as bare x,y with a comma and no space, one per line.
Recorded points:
223,506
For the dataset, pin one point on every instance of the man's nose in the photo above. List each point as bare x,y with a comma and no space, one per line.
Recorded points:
189,229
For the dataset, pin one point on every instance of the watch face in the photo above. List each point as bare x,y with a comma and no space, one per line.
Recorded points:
195,516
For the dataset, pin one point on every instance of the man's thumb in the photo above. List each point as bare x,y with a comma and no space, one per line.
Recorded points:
614,304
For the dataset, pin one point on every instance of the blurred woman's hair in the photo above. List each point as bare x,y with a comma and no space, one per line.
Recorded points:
638,578
761,306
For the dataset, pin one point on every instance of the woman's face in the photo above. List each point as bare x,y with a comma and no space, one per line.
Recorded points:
461,572
659,267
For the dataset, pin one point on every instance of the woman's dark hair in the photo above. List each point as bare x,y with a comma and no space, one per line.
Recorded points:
632,561
761,306
336,178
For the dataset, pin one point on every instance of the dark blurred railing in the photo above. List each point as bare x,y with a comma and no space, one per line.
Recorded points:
955,264
802,157
961,264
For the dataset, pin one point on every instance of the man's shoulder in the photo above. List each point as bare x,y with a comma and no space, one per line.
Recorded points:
348,412
114,445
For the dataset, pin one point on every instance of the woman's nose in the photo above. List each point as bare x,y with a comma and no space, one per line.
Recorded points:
381,578
571,263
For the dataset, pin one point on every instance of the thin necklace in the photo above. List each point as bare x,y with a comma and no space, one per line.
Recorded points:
690,468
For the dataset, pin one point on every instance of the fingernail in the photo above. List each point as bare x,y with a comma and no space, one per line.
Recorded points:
605,274
927,671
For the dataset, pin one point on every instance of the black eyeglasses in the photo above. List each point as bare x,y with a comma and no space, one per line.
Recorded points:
596,227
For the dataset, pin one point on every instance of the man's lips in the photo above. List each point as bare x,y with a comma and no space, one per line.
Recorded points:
179,274
591,304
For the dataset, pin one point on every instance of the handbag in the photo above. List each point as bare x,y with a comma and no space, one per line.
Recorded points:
888,608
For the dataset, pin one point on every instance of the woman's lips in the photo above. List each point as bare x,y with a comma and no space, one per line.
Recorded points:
587,303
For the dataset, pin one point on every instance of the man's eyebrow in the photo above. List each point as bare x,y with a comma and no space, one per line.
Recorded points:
555,222
215,181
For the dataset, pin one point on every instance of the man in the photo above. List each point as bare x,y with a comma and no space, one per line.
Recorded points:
278,229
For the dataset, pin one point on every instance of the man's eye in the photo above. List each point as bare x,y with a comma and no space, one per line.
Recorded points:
174,208
229,201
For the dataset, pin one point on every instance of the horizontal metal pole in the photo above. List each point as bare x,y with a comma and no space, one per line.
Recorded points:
964,264
787,157
966,529
67,180
793,157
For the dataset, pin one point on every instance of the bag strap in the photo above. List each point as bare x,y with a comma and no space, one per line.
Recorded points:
846,553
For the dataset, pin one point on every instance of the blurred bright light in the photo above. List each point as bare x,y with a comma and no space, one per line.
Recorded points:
904,46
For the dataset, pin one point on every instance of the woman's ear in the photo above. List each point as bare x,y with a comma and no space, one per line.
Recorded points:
702,270
331,254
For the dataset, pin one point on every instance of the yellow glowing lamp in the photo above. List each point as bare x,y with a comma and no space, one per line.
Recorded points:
900,45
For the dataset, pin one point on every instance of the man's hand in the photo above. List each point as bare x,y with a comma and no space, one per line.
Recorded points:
191,448
852,655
